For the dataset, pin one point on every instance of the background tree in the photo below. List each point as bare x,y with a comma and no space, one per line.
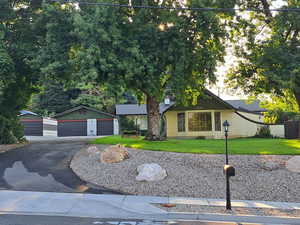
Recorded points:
53,98
99,97
268,50
280,109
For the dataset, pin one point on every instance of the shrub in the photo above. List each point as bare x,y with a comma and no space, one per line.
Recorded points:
263,132
127,124
11,131
130,132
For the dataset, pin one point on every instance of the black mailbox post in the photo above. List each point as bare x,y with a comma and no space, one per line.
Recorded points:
229,171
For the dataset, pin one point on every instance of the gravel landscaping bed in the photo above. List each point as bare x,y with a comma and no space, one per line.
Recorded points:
235,210
258,177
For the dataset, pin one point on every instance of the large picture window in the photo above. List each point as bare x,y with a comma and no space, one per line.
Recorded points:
200,121
217,121
181,122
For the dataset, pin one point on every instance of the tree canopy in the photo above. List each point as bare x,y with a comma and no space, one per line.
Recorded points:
17,78
142,50
268,50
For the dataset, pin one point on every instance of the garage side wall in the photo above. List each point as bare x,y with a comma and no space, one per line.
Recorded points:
33,125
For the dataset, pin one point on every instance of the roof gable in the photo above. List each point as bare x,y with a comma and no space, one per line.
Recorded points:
207,101
136,109
78,108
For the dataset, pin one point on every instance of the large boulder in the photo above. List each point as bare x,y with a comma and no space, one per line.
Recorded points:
293,164
114,154
150,172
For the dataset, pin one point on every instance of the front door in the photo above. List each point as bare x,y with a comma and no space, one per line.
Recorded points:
91,127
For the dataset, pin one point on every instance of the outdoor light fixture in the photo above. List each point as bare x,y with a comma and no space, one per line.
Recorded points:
229,171
226,126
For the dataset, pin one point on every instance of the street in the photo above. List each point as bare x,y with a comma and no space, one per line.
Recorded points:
57,220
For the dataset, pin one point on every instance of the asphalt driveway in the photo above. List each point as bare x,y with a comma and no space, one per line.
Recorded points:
43,167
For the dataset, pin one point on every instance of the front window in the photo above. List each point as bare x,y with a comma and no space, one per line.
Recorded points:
181,122
200,121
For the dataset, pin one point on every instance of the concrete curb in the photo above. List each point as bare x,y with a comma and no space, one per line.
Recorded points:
123,206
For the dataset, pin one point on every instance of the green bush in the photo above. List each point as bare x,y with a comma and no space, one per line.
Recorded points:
263,132
11,131
127,124
130,132
143,132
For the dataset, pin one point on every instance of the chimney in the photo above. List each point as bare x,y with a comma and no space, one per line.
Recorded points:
167,101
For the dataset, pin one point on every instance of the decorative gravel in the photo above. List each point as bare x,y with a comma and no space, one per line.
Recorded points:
235,210
258,177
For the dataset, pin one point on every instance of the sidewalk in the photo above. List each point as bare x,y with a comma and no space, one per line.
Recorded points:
129,207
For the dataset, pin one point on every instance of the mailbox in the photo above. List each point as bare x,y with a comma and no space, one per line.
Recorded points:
229,170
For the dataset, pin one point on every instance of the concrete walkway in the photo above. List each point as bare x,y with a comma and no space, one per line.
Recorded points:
127,207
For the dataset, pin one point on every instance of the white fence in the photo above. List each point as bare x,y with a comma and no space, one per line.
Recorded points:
277,130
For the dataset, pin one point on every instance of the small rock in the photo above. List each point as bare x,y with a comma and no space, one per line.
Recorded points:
114,154
150,172
93,150
270,165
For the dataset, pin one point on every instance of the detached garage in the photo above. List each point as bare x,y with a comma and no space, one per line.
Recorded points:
36,125
32,122
86,121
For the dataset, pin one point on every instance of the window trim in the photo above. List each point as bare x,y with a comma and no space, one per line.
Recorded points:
184,122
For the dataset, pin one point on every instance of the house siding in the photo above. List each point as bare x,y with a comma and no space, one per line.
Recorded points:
33,125
239,127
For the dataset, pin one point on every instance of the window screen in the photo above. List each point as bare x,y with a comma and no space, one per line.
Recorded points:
217,121
200,121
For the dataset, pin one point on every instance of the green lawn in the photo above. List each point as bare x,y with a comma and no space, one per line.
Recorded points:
236,146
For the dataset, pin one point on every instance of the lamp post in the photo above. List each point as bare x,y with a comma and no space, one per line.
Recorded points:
229,171
226,126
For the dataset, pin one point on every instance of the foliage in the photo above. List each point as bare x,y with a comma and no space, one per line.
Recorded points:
267,47
98,97
249,146
17,80
53,99
127,124
142,50
263,132
280,109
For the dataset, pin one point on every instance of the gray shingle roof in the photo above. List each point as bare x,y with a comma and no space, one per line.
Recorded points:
81,107
135,109
243,106
25,112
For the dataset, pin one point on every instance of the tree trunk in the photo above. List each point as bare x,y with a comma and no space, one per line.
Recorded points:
153,118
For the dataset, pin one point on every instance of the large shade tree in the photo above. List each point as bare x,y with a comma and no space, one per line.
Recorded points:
268,50
144,50
17,79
